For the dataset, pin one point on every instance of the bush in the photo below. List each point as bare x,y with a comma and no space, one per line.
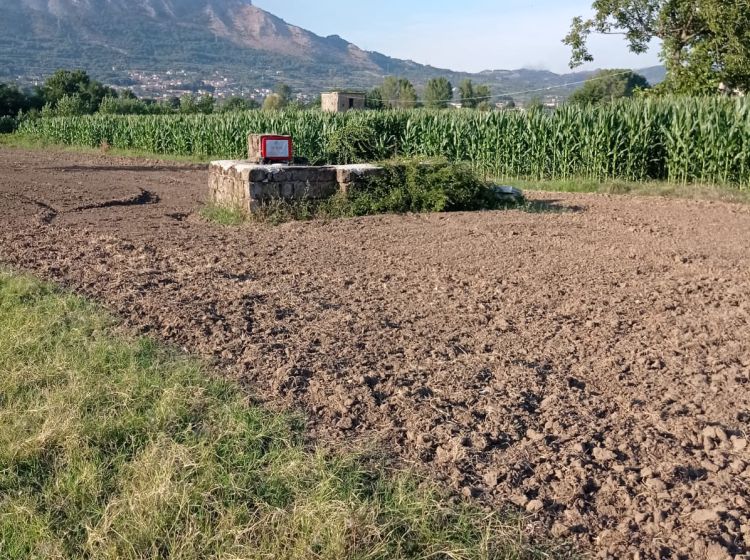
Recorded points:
419,186
7,125
123,106
356,142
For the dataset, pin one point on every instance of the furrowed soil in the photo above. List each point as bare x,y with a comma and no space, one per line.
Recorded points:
590,365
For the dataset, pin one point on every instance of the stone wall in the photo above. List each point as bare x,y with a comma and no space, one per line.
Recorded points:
242,184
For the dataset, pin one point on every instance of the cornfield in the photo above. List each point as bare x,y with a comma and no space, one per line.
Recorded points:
681,140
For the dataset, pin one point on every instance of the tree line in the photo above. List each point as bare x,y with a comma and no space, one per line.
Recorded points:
74,92
438,93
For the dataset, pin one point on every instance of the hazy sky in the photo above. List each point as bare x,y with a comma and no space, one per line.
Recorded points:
469,35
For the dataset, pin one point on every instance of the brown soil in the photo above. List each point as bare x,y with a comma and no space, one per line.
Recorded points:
590,366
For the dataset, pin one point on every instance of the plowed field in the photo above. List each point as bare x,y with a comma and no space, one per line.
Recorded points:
590,364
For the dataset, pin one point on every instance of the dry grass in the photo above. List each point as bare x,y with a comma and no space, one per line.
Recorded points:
117,448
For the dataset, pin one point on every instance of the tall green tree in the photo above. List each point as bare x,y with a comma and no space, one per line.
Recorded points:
437,93
274,102
235,104
206,104
473,97
13,100
705,43
374,99
398,93
608,85
69,84
466,91
483,97
284,91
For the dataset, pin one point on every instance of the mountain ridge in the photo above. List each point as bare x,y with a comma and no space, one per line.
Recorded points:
235,38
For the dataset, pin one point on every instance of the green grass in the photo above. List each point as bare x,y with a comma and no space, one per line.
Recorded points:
646,188
223,215
115,447
33,142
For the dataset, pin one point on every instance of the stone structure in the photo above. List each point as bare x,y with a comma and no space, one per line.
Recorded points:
244,184
342,101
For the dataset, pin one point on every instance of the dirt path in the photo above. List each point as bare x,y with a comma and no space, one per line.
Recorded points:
592,366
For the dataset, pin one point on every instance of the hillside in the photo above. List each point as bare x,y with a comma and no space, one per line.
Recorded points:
232,41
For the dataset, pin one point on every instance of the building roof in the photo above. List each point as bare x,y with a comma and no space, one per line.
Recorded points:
344,92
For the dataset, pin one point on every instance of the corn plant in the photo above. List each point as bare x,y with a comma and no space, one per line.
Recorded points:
675,139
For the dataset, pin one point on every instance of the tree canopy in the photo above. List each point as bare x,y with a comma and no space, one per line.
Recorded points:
608,85
77,88
274,102
473,97
705,43
398,93
437,93
13,100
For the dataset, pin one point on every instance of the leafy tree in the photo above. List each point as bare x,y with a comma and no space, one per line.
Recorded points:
123,106
483,97
534,104
71,106
437,93
274,102
13,100
466,91
608,85
173,103
473,97
284,91
71,83
704,42
398,93
508,101
205,104
374,99
188,105
234,104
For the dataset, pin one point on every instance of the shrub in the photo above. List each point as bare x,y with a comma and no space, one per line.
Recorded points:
422,186
356,142
7,125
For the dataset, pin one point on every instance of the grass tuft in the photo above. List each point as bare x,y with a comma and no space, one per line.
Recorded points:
112,447
223,215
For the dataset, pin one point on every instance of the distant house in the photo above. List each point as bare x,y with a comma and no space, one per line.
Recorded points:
342,101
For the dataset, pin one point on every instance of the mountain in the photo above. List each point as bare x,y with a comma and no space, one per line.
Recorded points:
123,42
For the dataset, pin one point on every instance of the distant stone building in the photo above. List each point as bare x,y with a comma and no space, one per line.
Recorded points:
342,101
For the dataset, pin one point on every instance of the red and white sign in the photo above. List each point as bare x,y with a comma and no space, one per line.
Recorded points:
276,148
